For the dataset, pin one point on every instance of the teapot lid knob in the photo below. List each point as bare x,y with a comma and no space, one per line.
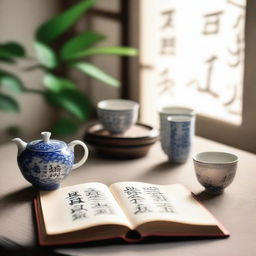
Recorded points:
45,136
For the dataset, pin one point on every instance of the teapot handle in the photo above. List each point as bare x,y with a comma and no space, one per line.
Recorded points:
74,143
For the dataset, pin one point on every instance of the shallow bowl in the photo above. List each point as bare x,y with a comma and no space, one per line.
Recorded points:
134,143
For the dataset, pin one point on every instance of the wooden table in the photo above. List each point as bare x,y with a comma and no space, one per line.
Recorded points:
235,208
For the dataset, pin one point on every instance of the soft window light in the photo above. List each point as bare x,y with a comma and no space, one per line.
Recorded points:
192,53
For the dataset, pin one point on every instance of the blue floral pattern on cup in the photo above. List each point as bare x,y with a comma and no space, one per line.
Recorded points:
180,138
117,115
117,122
172,111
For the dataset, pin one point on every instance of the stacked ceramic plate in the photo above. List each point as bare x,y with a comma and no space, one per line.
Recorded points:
134,143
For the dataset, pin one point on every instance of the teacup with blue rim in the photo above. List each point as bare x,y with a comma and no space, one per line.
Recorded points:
215,170
117,115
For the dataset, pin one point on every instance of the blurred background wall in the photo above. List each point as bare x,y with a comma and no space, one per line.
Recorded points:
18,21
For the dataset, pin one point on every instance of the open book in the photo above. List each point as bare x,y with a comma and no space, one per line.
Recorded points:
130,210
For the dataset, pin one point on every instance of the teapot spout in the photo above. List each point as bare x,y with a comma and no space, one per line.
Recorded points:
20,144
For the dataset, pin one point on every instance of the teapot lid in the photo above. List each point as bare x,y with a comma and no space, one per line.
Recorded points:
45,144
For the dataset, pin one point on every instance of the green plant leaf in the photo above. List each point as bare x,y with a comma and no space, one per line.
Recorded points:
7,59
45,55
72,100
11,82
64,127
5,55
116,50
8,104
11,50
13,131
56,84
80,43
96,73
53,28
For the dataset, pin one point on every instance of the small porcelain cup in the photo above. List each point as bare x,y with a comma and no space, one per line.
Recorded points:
181,128
166,111
117,115
215,170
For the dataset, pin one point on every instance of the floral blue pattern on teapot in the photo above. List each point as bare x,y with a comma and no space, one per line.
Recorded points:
45,163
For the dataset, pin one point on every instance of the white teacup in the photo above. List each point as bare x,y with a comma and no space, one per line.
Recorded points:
215,170
117,115
169,111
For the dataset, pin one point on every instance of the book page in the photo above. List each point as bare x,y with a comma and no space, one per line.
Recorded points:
144,202
81,206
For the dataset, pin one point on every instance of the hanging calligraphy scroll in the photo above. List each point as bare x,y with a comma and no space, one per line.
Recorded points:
192,54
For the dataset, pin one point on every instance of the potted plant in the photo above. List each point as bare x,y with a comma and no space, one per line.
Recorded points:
73,53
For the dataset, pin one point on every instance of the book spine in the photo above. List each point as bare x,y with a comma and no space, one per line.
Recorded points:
145,235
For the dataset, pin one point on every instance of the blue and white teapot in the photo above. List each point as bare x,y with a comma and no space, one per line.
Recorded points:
45,163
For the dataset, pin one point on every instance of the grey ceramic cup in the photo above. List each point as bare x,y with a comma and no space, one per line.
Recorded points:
181,128
167,111
215,170
117,115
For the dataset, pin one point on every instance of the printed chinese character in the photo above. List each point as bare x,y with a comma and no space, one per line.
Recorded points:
132,191
238,21
166,208
74,198
165,84
78,212
78,208
168,46
155,193
134,195
208,83
54,171
102,208
212,23
135,199
168,15
232,98
141,208
94,194
237,53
